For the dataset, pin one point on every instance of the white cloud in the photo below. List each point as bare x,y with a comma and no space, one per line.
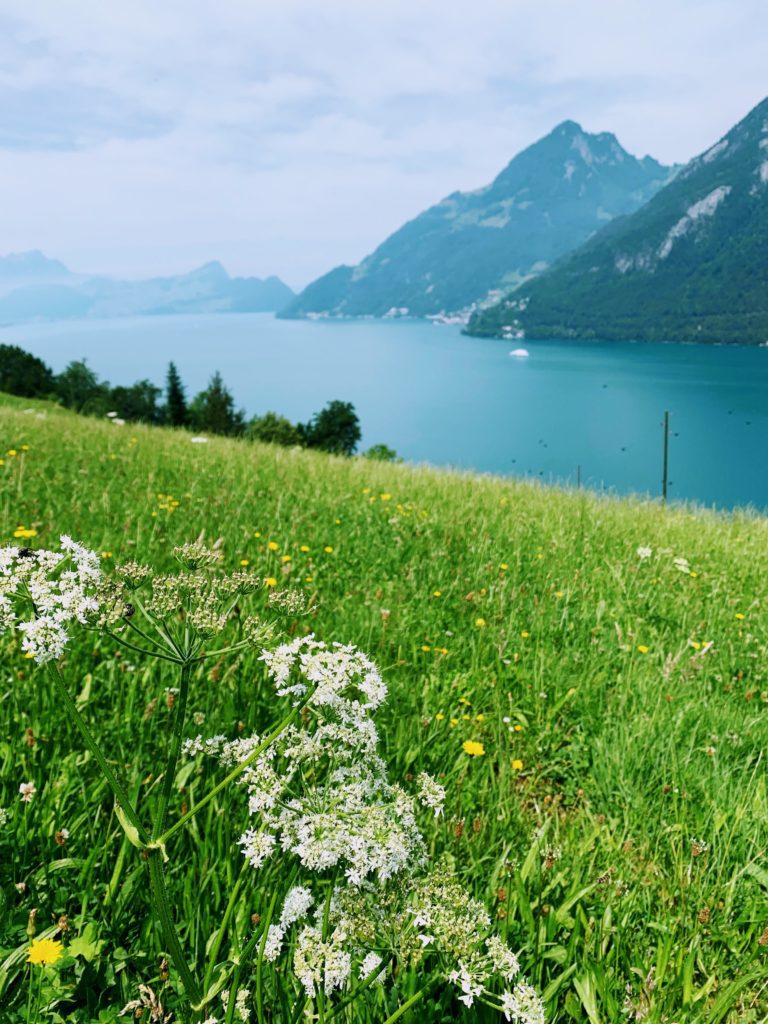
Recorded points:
287,136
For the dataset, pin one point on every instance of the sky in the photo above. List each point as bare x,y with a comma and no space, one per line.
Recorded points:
288,136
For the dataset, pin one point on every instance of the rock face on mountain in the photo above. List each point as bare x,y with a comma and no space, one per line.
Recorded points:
33,287
475,245
691,265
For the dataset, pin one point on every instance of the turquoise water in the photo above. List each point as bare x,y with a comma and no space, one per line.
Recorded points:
439,397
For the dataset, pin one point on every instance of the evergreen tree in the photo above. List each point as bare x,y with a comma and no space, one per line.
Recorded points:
274,429
137,402
335,429
214,410
176,412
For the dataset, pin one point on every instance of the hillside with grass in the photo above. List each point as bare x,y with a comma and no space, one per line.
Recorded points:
586,678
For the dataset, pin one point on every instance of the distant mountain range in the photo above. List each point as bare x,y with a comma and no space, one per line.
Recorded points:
692,264
34,287
474,246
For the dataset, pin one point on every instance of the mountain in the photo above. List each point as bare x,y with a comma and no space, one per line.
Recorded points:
691,265
33,287
547,201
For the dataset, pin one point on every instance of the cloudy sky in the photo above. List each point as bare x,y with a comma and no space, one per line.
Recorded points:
287,136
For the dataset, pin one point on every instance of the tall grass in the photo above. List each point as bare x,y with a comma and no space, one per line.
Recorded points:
617,822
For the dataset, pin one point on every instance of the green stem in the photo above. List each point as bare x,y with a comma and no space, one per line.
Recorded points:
406,1006
163,910
365,983
177,727
260,960
141,650
114,784
215,948
238,770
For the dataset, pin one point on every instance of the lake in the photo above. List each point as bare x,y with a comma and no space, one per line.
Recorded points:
589,408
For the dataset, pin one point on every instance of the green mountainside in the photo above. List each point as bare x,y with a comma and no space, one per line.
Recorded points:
474,245
691,265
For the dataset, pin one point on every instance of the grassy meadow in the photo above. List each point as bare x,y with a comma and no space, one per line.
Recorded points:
616,823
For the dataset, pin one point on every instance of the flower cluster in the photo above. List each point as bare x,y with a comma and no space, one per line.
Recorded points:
59,587
367,896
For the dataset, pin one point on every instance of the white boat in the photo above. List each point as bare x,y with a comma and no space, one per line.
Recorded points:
520,353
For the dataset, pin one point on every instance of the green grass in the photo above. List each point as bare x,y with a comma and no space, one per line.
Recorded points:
550,642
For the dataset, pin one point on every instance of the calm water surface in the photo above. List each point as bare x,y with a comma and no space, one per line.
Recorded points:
436,396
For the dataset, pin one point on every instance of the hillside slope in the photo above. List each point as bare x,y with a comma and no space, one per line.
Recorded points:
691,265
549,199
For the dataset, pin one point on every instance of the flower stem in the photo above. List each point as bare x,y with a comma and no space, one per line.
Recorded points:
406,1006
115,785
163,910
177,727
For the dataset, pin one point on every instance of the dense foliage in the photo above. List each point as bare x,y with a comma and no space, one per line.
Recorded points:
585,677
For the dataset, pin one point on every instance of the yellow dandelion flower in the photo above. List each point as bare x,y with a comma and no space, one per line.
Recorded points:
480,623
385,496
437,593
304,548
257,533
308,579
328,549
338,522
463,700
25,447
270,581
518,728
504,566
439,716
642,648
11,452
473,748
525,634
517,764
466,718
558,593
454,722
273,545
479,718
425,647
244,562
44,951
285,558
740,615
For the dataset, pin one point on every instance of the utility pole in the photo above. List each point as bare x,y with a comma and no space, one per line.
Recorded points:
665,473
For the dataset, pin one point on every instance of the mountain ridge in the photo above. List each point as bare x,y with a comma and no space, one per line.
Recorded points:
689,265
35,287
471,245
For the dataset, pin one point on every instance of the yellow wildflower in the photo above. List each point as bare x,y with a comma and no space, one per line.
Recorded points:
480,623
285,558
273,545
439,593
271,581
44,951
454,721
327,549
517,764
385,497
739,615
642,648
425,647
525,634
439,716
304,548
244,562
473,748
504,566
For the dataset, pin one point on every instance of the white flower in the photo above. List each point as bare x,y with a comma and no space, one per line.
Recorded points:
27,791
522,1005
644,552
681,564
431,793
199,440
257,846
370,962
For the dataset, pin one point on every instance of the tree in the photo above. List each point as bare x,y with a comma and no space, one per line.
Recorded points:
24,374
335,429
176,412
78,388
381,453
214,410
274,429
137,402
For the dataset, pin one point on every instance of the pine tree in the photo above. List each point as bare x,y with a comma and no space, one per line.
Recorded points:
176,413
214,410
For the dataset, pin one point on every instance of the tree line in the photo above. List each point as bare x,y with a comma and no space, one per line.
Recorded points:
336,428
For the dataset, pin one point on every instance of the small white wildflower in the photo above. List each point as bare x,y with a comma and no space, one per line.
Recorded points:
431,793
644,552
370,962
522,1005
681,564
199,440
27,791
257,846
296,904
3,817
274,943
